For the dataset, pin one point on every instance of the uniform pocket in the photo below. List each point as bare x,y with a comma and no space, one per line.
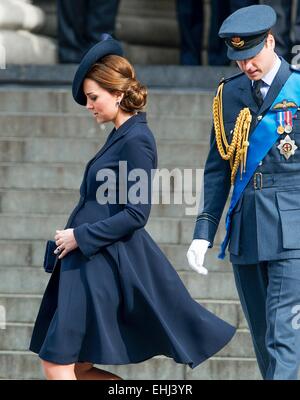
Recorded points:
289,212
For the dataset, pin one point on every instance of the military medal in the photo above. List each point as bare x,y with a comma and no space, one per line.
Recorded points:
280,121
288,119
288,129
287,147
284,115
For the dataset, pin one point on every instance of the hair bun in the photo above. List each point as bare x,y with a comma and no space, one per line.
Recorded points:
135,97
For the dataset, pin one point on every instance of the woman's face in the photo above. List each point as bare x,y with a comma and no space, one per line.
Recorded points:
100,102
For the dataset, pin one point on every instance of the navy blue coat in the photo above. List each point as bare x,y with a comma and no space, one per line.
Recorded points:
116,299
265,221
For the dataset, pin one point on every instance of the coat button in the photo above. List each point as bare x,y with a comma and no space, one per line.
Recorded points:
259,117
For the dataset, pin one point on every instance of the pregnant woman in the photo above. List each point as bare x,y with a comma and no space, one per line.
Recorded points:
113,297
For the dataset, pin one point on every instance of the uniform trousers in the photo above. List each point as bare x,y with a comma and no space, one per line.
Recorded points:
270,297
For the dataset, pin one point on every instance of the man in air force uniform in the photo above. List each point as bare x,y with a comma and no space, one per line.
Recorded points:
255,149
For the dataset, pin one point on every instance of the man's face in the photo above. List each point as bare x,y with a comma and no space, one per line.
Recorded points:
257,67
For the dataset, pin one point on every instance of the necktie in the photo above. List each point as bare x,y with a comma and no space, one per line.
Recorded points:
257,85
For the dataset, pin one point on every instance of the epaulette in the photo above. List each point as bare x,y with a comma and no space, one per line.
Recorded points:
224,80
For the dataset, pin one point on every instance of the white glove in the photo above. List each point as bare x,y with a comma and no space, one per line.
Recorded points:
196,254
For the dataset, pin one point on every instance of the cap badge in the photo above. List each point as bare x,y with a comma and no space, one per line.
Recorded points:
237,42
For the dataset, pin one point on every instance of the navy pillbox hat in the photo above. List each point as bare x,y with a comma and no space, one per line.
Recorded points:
106,46
246,29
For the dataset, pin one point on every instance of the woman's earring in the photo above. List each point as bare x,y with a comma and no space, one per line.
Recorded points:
117,104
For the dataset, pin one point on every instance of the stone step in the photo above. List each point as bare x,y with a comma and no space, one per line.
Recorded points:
151,31
164,231
215,285
24,308
151,55
23,280
145,8
153,76
62,150
22,252
63,201
68,127
32,280
20,365
40,226
30,253
147,27
68,176
176,253
41,176
177,102
42,201
141,11
231,368
16,337
26,365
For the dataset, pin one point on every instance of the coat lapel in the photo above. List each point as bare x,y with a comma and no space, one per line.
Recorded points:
117,134
114,136
246,95
282,75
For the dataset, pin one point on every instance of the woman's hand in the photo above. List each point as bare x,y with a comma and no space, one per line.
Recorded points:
65,241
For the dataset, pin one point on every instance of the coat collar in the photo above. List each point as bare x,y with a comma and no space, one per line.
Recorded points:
278,83
114,136
117,134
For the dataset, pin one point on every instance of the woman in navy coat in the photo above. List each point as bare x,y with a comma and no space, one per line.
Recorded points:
113,297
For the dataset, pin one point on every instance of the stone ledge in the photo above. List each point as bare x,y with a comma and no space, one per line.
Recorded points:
26,365
155,76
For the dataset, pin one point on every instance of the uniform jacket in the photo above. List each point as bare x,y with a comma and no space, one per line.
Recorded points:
265,221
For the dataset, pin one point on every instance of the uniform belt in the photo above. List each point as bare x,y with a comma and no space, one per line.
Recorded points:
260,180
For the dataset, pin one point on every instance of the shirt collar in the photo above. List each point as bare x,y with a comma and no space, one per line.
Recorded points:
269,77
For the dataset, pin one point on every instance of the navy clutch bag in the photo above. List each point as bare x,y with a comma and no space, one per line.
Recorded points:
50,259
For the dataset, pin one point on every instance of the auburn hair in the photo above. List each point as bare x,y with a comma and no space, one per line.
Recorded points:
116,75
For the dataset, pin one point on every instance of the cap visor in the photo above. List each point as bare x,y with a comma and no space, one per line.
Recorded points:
238,55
